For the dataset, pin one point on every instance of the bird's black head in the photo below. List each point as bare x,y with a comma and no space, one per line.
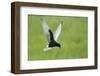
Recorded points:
59,45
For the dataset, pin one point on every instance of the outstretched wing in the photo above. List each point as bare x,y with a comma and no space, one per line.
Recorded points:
57,32
45,28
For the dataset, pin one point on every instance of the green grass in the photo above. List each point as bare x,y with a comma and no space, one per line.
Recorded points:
73,38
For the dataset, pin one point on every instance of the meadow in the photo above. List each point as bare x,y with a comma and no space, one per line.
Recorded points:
73,38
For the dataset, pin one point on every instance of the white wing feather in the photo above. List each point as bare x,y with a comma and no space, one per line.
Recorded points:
57,32
45,28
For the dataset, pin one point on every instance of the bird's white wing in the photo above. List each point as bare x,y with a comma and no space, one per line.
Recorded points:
57,32
45,28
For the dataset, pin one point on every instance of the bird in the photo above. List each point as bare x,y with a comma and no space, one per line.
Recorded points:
50,36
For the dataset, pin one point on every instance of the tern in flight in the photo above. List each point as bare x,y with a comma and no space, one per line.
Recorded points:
51,37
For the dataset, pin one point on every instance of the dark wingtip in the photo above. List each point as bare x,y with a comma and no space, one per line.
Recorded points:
61,22
41,19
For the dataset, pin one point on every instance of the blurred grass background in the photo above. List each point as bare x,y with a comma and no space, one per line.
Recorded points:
73,38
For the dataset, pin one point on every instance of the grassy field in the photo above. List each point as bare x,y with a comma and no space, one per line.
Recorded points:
73,38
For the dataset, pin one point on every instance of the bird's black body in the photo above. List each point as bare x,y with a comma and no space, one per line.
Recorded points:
52,42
